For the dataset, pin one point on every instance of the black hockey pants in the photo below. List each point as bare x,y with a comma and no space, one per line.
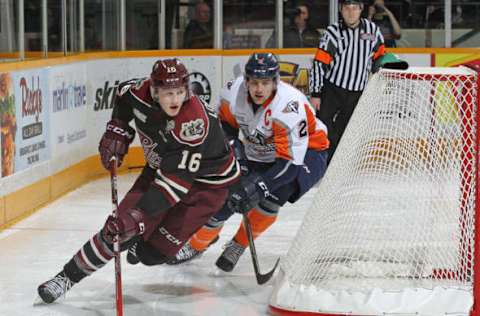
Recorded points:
336,108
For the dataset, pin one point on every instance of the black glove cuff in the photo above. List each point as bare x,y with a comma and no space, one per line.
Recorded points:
121,129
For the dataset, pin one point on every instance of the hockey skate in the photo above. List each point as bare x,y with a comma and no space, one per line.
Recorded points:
52,289
230,256
188,253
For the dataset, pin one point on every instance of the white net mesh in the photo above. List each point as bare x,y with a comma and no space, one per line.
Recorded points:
396,207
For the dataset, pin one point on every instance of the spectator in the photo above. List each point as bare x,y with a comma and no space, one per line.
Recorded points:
434,17
299,33
199,33
384,18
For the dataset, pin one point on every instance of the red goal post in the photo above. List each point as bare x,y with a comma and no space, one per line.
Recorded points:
393,228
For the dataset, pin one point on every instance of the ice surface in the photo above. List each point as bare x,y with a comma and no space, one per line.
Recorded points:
36,248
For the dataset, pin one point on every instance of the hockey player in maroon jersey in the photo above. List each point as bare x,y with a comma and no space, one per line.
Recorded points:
189,166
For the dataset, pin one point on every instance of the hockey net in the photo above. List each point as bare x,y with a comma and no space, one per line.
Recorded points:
391,229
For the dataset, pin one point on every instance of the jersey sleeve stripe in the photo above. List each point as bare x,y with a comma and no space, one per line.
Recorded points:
171,182
226,115
171,195
323,57
282,142
231,177
230,165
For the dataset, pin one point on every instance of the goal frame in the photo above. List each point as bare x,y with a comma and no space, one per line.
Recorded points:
475,311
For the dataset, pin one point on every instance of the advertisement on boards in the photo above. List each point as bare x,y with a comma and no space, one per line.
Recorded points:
32,139
68,111
8,124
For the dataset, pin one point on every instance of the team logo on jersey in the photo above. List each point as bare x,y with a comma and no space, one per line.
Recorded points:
292,106
201,86
192,130
151,156
367,37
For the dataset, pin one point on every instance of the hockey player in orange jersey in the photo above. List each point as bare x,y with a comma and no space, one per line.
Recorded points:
281,148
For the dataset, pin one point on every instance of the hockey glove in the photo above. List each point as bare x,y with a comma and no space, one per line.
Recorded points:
239,152
127,225
115,142
252,190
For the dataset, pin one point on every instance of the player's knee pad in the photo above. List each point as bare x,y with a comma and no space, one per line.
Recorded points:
150,256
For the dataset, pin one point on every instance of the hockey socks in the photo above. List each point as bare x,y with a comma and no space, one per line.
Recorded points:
204,237
259,222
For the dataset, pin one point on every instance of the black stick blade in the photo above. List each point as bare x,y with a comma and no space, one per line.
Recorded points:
264,278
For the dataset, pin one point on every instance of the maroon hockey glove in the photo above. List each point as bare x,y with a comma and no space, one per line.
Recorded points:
115,142
127,225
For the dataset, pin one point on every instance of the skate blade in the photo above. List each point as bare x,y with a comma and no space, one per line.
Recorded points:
38,301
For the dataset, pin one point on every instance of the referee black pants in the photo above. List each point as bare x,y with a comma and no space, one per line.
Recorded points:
336,108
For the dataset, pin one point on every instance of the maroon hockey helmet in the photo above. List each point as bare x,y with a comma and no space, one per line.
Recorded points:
169,73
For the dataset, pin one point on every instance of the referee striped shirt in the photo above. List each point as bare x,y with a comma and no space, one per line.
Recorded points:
344,56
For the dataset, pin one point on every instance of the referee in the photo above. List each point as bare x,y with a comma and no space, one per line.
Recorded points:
341,67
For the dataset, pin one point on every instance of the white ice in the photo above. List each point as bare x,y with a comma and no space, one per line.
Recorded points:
36,248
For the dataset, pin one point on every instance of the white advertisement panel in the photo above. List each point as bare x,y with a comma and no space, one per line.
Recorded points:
32,118
103,78
67,97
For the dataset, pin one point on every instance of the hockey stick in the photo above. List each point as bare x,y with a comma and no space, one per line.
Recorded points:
116,243
261,278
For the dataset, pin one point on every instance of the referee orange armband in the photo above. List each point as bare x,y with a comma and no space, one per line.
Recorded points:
323,57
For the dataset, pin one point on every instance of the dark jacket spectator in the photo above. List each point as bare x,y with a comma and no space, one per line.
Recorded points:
199,31
300,33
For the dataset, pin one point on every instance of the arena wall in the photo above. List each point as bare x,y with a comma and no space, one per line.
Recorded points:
53,112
